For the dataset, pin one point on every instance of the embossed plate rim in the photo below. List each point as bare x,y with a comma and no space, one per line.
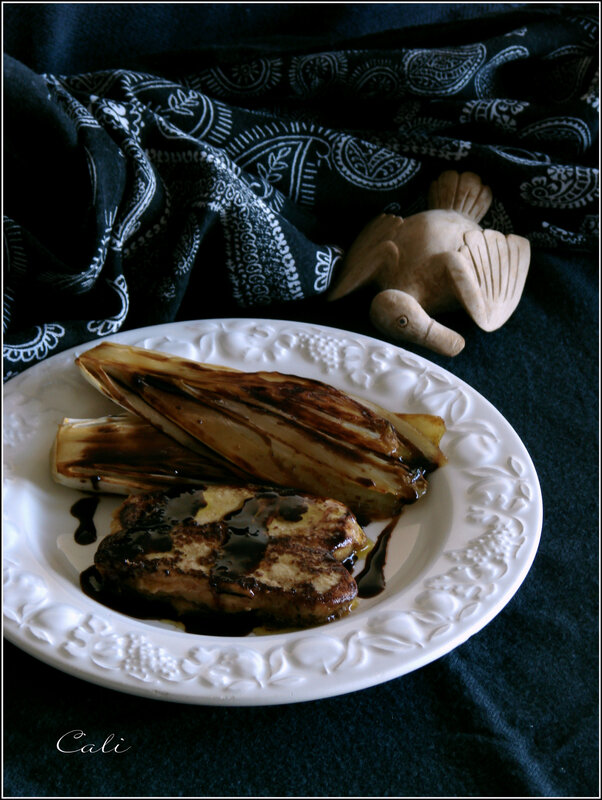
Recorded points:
494,488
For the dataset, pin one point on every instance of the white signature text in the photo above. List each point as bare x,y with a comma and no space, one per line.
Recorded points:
70,742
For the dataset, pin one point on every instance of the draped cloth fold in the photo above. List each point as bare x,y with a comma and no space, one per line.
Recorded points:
135,197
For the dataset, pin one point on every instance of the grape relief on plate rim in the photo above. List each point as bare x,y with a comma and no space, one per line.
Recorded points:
498,496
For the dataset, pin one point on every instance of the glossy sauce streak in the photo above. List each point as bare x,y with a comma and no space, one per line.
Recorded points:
83,510
183,506
371,580
153,534
247,536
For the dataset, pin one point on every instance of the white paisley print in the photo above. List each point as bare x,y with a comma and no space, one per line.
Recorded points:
240,182
562,187
43,342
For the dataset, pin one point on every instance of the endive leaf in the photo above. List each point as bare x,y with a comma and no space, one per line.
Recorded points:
275,428
121,454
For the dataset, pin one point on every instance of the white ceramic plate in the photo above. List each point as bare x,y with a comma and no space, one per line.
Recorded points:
455,558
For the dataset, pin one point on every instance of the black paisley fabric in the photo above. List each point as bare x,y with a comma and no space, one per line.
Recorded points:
134,197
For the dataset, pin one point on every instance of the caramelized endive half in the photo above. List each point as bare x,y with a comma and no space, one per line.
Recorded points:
273,428
121,454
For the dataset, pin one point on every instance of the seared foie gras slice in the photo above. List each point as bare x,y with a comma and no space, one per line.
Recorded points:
228,549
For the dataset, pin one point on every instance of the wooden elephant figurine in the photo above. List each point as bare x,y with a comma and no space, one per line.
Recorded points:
437,260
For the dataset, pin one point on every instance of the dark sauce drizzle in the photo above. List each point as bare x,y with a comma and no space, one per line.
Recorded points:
371,580
247,536
182,506
83,510
153,532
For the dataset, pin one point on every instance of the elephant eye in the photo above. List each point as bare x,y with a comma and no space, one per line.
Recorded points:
402,322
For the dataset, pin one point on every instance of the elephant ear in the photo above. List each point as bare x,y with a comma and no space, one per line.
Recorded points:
374,250
497,266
